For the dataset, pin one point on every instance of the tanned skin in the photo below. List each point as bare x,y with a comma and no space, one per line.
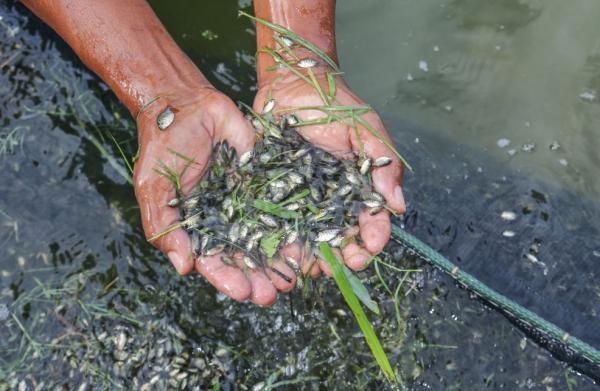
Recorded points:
126,45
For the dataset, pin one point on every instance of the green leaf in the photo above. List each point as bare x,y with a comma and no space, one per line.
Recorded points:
361,290
363,322
274,209
270,243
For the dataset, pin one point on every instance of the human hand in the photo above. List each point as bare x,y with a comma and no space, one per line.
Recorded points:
202,119
342,140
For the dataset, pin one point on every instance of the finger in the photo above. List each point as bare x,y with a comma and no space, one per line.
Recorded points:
387,180
156,218
308,266
325,266
355,257
263,291
275,273
237,130
227,279
375,230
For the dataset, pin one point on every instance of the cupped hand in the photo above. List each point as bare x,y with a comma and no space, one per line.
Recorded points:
202,118
344,141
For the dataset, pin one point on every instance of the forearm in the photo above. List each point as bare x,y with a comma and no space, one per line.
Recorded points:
313,20
125,44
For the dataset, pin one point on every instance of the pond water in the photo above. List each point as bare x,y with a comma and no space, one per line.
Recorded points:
494,103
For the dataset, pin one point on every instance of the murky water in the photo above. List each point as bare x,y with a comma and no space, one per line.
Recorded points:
77,273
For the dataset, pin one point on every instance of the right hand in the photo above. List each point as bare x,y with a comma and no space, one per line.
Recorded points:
202,119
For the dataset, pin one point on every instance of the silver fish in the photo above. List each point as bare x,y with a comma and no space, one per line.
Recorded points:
345,190
375,210
173,202
291,120
372,203
268,221
165,119
293,264
293,206
296,178
365,166
245,158
215,250
299,153
291,237
249,262
307,63
269,105
327,235
382,161
337,241
287,41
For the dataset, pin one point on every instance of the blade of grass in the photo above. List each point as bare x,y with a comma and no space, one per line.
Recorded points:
363,322
361,291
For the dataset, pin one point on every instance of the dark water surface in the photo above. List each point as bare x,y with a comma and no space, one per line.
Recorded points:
76,271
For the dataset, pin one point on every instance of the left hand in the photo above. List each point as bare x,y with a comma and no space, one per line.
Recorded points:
342,140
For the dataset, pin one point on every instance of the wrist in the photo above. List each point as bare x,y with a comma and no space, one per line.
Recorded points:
312,20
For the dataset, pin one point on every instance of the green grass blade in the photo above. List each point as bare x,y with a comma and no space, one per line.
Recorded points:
367,329
361,291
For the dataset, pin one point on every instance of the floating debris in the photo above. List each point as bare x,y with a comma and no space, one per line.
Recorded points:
529,147
563,162
508,215
409,77
423,66
503,143
589,96
554,145
508,234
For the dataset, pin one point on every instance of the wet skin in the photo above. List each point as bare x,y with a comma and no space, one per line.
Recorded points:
127,46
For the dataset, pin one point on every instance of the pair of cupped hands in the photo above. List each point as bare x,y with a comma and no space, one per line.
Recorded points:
205,116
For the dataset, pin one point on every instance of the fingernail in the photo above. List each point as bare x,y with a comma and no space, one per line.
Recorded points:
177,261
400,198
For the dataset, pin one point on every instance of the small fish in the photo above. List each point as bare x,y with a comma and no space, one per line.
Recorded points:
279,184
269,105
228,261
345,190
508,215
382,161
291,120
249,262
256,236
292,207
300,153
337,241
265,157
287,41
327,235
215,250
375,210
307,63
296,178
372,203
245,158
250,245
244,231
291,237
353,178
315,193
234,232
165,119
173,202
196,243
268,221
293,264
376,196
365,166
